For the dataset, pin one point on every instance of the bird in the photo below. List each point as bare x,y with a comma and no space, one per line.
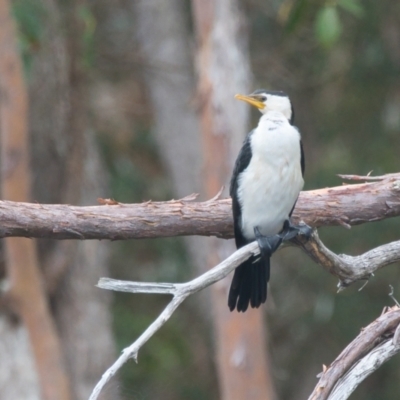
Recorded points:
266,181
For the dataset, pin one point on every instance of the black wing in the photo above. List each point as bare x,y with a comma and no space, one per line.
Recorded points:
249,283
242,162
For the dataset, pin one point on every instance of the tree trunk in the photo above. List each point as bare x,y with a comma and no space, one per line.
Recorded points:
162,35
68,170
26,292
223,68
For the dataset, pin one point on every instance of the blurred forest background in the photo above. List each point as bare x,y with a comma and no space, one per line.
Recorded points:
116,100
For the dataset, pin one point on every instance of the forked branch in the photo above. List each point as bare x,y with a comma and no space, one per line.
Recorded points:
375,344
179,291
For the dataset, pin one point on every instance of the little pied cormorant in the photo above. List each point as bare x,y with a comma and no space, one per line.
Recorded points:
265,185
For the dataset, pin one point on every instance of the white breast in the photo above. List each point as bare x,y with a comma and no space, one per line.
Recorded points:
270,185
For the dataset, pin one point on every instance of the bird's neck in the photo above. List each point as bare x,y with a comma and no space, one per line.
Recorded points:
273,115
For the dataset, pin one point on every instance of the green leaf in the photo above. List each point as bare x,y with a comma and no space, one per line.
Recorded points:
30,16
352,6
328,26
296,14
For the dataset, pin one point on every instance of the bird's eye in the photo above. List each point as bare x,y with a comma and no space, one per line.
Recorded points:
263,98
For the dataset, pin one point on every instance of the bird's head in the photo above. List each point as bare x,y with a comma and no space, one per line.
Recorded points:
266,101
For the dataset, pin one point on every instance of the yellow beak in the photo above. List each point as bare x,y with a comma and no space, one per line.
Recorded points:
251,100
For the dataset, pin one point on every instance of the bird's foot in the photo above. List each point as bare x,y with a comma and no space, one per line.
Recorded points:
267,244
289,231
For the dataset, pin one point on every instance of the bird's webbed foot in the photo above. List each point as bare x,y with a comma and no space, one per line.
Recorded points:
267,244
289,231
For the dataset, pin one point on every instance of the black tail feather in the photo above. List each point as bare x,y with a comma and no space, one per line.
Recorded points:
249,284
264,280
255,277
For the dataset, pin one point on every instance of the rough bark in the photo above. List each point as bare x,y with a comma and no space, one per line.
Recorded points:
343,205
26,292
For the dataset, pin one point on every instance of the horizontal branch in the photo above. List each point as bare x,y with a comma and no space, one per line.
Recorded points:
138,287
343,205
357,356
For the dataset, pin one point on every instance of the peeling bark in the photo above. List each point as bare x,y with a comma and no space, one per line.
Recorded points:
343,205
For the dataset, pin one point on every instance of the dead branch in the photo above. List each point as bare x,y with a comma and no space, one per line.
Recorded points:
360,358
349,269
365,177
365,367
180,292
342,205
375,344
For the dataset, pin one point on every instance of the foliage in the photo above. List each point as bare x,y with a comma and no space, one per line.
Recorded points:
327,17
30,16
328,27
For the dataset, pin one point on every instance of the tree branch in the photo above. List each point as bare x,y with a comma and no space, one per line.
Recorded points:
349,269
180,292
365,367
375,344
342,205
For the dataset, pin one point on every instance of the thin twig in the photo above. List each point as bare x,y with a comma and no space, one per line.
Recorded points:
367,177
391,295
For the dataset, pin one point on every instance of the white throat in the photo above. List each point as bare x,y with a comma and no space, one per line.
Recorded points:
279,104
